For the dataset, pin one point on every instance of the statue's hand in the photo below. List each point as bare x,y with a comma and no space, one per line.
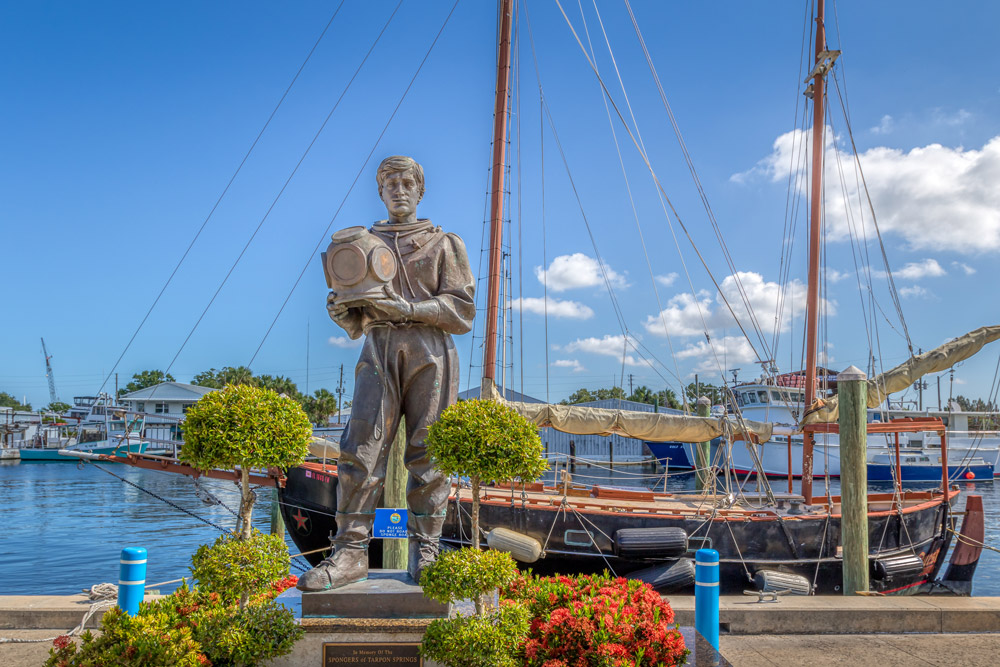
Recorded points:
337,310
393,308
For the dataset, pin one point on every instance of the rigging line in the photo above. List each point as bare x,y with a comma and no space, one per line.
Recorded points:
541,136
218,201
628,187
305,267
479,273
520,242
659,185
697,181
871,207
282,191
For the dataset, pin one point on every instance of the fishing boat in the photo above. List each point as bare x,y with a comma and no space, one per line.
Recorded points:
113,437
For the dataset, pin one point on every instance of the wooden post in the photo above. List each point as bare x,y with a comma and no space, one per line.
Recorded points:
703,450
611,453
277,522
394,551
852,389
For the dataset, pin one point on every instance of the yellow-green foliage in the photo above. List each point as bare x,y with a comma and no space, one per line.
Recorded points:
486,440
189,628
246,427
232,567
477,641
466,574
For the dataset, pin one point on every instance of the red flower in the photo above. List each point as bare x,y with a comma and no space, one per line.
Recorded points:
61,642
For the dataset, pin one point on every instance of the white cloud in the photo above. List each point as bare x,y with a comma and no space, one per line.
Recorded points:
687,316
344,342
928,268
965,267
557,308
951,119
608,346
577,270
913,292
825,356
884,127
933,197
571,364
728,352
666,280
835,276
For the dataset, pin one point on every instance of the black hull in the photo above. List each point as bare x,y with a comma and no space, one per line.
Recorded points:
581,541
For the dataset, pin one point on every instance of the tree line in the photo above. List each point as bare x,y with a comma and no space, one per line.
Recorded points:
643,394
319,405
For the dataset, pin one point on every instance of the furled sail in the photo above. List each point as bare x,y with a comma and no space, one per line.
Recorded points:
902,376
657,427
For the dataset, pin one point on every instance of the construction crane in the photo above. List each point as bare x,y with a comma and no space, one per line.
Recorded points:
49,375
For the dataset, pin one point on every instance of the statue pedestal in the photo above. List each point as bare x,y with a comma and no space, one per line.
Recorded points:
386,594
380,621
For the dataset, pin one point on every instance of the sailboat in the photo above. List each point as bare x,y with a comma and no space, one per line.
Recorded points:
790,541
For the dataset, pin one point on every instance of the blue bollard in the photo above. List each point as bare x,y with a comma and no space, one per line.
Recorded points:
706,595
131,579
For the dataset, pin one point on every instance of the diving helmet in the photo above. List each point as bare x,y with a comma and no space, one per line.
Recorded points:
358,265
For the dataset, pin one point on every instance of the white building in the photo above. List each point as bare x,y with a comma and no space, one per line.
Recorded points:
164,405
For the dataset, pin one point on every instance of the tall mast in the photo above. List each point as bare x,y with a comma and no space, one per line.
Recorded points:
497,191
824,60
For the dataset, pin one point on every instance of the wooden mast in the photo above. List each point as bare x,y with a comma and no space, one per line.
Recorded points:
500,110
816,201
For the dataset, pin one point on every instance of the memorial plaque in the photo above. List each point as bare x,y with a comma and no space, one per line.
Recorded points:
372,653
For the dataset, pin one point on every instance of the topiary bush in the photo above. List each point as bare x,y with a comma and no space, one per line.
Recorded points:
467,574
477,641
487,442
237,569
243,427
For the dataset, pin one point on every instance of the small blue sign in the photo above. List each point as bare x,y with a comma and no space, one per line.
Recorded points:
390,523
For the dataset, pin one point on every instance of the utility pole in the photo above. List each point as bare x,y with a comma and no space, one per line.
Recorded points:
340,391
939,392
630,391
951,386
307,363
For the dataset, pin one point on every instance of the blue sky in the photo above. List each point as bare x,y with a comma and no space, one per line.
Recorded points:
123,122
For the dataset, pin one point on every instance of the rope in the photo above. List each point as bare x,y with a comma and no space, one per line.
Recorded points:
162,499
219,200
364,165
971,542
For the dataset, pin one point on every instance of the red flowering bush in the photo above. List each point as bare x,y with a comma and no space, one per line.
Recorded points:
596,621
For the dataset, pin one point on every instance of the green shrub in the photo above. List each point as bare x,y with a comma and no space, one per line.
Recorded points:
467,574
245,427
189,628
488,442
236,568
477,641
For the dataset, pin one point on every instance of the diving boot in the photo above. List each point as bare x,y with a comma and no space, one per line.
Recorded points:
345,566
422,553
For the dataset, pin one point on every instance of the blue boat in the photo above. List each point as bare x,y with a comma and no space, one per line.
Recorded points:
920,468
676,455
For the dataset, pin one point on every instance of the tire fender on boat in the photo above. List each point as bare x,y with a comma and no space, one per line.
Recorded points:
669,542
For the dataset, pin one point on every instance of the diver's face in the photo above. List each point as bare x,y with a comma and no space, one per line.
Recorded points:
400,193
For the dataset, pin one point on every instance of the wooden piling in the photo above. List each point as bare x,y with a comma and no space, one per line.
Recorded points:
852,389
703,449
277,521
394,551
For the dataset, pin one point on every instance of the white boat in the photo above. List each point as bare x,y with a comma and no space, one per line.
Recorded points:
783,405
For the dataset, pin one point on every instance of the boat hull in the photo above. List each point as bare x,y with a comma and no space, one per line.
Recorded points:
41,455
581,539
885,472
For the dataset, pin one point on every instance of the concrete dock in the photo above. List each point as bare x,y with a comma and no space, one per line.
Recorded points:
812,631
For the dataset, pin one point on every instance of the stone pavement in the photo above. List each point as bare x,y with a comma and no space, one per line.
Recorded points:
912,650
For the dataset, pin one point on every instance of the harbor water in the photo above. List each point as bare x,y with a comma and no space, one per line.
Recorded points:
64,525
